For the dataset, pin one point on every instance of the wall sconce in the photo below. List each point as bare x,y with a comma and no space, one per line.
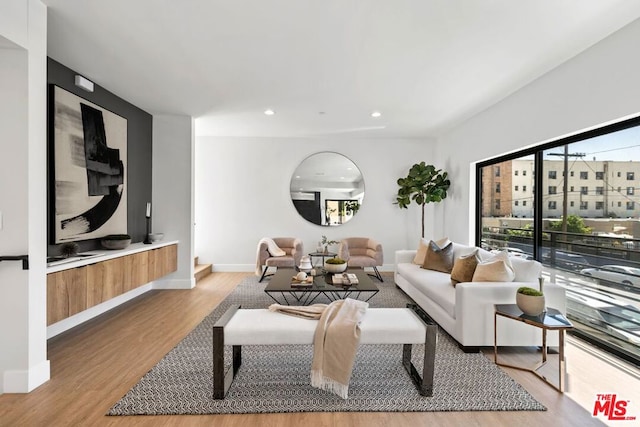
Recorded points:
83,83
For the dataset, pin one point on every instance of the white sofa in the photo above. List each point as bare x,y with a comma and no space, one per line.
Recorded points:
466,311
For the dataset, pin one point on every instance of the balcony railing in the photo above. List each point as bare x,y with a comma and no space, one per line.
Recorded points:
601,275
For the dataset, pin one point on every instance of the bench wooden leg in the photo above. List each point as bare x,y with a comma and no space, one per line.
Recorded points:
423,382
222,380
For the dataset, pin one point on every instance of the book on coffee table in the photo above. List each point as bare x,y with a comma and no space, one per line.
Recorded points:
344,279
295,283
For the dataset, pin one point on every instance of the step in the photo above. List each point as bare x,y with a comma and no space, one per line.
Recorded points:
196,260
202,270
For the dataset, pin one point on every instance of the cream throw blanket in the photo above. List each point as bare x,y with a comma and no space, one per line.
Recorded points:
335,342
272,248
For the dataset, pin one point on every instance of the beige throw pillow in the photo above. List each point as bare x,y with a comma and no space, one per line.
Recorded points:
495,269
439,258
421,252
464,267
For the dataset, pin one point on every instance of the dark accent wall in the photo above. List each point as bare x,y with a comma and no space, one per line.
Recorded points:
139,151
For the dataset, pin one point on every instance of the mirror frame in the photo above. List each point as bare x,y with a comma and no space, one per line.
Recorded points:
316,183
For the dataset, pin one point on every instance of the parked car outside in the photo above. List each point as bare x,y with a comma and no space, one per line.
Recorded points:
565,260
604,313
628,276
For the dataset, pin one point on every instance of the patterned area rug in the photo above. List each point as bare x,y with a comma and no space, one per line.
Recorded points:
276,378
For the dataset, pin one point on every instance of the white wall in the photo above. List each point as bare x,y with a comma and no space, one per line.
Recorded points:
242,195
23,363
173,182
597,86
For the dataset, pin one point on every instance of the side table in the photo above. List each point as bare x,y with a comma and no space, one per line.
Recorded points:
322,255
550,320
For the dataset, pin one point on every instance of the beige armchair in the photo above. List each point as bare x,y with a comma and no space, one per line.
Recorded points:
362,252
293,251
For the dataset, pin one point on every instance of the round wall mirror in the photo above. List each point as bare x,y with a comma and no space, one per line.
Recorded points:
327,189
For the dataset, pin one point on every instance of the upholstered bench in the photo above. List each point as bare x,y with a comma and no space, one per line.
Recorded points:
238,327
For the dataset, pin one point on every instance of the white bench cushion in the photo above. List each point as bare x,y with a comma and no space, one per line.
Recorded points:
378,326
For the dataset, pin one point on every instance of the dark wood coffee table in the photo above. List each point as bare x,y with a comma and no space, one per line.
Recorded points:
280,288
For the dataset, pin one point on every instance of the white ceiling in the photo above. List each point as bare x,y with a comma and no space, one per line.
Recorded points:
427,65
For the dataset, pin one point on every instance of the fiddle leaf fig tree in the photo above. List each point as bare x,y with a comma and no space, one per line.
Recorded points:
424,184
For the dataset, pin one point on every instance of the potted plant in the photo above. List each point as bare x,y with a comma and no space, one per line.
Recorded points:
335,265
351,207
530,301
424,184
325,242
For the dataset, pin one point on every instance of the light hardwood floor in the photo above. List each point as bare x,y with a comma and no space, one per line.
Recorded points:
95,364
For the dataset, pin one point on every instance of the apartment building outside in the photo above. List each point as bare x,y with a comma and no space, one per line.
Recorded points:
595,189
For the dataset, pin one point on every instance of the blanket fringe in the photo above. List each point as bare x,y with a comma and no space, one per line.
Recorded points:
318,380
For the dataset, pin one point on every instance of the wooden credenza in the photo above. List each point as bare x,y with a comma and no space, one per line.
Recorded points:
75,289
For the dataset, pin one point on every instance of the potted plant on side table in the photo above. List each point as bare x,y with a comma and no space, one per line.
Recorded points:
530,301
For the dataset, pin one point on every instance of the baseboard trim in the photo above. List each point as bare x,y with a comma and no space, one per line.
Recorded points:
24,381
175,284
246,268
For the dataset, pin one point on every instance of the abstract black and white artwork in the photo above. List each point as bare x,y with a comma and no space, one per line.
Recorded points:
90,161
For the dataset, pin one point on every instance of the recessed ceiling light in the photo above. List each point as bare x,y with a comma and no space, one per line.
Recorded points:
376,114
297,176
342,177
269,112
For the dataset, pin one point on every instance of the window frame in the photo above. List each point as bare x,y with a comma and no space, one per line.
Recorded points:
538,186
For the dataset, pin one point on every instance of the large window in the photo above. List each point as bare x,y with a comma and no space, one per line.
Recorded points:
587,240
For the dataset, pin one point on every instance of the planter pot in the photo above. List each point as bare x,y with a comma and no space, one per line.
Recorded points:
529,304
335,268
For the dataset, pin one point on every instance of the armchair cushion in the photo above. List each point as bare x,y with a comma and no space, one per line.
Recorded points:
361,252
291,246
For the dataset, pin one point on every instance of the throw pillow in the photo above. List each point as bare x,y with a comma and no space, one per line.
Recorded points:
422,249
439,258
495,269
421,252
464,267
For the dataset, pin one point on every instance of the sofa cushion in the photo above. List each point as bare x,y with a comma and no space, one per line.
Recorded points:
464,267
422,248
439,258
526,270
495,269
422,251
435,285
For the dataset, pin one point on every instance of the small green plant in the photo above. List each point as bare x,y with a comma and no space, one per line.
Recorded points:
525,290
327,242
116,237
335,261
351,207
